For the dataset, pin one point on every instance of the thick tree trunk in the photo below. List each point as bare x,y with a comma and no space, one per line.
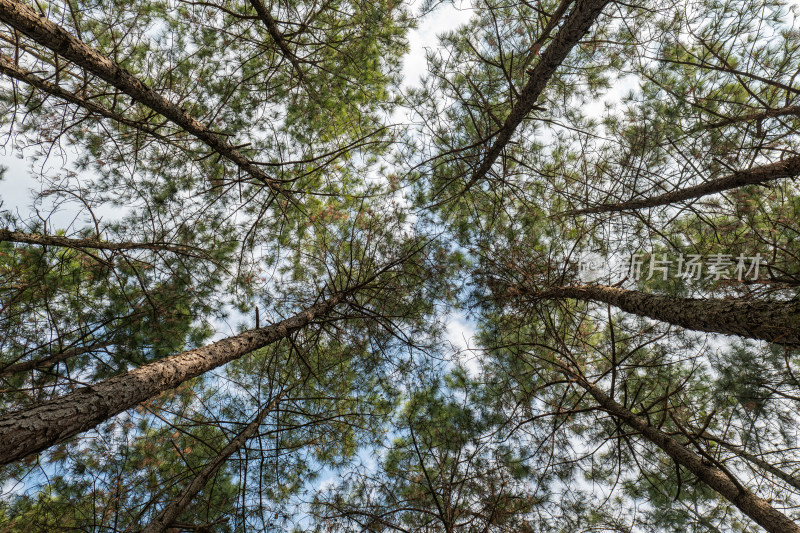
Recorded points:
788,168
34,429
577,24
27,21
773,321
177,506
751,505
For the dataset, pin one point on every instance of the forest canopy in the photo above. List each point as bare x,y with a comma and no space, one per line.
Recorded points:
261,281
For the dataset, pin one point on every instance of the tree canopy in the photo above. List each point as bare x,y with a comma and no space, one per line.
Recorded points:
265,283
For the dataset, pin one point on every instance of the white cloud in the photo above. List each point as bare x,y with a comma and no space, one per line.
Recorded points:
445,18
461,334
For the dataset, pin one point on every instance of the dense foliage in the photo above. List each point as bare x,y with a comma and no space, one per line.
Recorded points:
264,283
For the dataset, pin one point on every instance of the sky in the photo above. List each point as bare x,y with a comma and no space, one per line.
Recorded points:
17,181
448,16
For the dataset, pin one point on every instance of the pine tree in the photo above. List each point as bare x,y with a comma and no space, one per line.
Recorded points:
226,306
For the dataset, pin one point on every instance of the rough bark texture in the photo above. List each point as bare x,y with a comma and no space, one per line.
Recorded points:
751,505
774,321
177,506
34,429
27,21
787,168
571,32
66,242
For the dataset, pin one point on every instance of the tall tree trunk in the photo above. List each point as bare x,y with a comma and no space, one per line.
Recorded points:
32,430
577,24
177,506
773,321
788,168
50,35
751,505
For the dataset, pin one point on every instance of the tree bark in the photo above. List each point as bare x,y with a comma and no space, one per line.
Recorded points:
788,168
32,430
751,505
772,321
177,506
48,34
792,110
571,32
274,32
94,244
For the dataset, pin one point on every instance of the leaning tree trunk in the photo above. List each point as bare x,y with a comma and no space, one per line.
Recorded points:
177,506
748,503
274,32
31,430
574,28
773,321
788,168
24,19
